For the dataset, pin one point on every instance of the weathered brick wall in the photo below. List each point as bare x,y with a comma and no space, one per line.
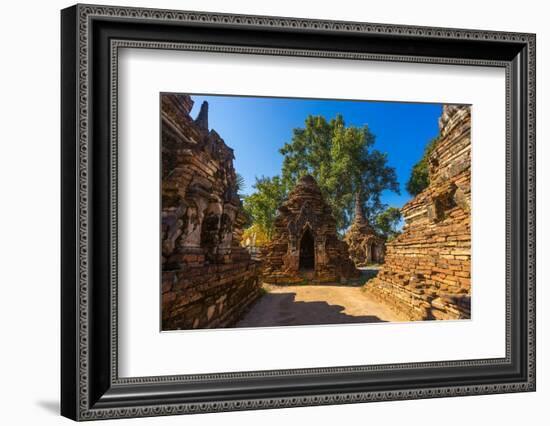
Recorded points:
207,278
427,268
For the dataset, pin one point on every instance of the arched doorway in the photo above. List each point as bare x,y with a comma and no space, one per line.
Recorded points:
307,250
373,253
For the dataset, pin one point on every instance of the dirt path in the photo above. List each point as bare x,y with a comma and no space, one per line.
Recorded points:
315,304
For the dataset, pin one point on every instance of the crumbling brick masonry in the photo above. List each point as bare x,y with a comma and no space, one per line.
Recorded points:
207,278
426,274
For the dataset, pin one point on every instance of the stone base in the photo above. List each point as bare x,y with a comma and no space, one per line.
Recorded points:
418,305
411,305
208,296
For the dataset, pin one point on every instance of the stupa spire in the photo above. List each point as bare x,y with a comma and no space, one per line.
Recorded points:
202,119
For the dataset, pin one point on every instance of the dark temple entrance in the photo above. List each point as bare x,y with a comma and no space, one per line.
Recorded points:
307,251
373,253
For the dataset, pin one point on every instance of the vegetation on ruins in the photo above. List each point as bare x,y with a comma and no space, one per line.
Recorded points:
261,206
342,160
387,222
420,178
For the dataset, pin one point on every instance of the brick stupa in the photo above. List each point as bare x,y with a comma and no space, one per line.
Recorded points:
365,245
306,246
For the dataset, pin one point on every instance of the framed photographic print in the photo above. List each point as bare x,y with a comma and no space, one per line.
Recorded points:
263,212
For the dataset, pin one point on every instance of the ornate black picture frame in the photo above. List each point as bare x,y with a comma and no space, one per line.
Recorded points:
90,38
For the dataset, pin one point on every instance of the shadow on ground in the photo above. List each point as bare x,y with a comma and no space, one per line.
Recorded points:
281,309
51,407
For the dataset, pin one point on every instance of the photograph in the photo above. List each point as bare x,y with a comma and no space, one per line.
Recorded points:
265,207
280,211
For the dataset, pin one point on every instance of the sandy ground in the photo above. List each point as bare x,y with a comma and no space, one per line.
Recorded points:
315,304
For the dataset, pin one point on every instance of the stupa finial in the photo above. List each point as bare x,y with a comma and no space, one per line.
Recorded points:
202,119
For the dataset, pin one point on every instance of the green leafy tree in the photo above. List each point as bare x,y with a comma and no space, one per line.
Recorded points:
387,222
420,177
261,206
342,160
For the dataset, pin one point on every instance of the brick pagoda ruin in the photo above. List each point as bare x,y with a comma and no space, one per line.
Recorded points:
365,245
207,278
305,245
426,274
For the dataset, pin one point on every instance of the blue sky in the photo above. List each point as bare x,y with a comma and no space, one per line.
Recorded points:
256,128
